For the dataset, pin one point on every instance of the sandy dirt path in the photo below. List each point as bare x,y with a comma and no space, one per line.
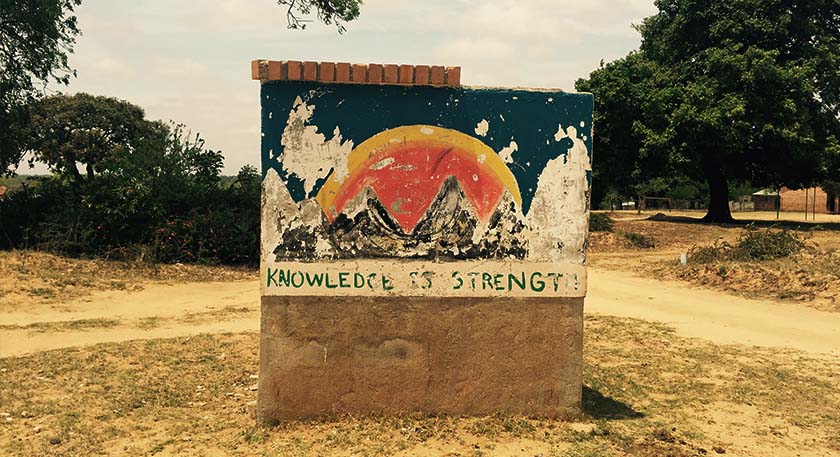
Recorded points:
715,316
157,311
166,311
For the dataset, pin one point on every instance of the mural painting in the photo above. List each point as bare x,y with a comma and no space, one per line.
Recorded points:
419,191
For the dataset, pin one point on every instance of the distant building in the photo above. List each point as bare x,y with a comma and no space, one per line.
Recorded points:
794,200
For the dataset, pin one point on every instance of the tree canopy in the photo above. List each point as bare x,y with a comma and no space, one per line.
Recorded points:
36,37
744,90
93,131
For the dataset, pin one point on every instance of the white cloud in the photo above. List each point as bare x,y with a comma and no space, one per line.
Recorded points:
111,68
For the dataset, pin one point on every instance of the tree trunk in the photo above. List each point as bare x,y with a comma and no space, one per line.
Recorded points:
718,196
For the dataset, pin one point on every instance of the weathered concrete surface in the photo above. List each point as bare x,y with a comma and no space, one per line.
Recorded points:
323,356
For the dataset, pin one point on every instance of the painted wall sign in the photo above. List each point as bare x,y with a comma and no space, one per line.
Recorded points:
419,191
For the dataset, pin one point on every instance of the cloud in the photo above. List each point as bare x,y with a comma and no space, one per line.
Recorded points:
188,60
111,68
473,49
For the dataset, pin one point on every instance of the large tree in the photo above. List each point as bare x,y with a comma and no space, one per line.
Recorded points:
629,103
36,37
756,90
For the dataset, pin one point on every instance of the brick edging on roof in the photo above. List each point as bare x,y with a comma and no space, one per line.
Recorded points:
346,73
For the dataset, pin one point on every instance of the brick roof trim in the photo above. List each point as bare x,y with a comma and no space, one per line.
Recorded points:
347,73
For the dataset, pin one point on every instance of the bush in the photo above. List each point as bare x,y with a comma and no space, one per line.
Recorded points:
600,222
752,245
768,245
640,241
162,205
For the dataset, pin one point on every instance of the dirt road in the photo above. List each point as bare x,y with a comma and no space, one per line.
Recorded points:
165,311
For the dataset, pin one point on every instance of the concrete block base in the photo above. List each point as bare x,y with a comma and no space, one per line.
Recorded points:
325,356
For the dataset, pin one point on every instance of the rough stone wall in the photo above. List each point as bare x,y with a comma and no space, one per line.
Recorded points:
322,357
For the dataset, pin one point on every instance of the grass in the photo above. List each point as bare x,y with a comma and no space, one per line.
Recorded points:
639,240
770,262
79,324
648,393
600,222
57,279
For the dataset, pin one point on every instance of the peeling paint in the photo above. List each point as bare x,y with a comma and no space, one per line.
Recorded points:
507,153
307,153
422,208
482,128
559,233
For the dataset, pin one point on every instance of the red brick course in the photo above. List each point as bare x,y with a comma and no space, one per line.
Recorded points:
294,70
346,73
326,72
310,71
359,73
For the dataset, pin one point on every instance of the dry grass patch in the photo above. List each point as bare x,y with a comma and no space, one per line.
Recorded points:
775,263
37,277
649,393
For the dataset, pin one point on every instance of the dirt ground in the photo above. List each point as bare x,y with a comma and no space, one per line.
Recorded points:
168,367
811,277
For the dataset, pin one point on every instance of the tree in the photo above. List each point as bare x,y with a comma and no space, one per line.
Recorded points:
757,94
628,104
36,37
93,131
327,11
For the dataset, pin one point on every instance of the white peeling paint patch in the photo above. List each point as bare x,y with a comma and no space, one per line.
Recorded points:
475,178
506,153
427,131
307,153
482,158
560,133
276,202
482,128
558,218
382,163
550,99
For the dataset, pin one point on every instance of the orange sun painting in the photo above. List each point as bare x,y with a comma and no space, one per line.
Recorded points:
407,166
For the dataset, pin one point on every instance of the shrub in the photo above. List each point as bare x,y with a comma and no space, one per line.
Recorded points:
768,245
640,241
600,222
753,244
717,252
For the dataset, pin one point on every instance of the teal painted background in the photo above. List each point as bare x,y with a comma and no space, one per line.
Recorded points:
362,111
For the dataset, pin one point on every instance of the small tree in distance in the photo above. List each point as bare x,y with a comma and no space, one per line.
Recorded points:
67,130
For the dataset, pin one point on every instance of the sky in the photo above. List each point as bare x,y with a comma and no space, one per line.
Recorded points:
188,61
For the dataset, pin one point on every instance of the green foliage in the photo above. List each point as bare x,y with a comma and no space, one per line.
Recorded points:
726,90
327,11
768,245
611,201
622,91
97,132
36,36
640,241
600,222
752,245
160,199
685,189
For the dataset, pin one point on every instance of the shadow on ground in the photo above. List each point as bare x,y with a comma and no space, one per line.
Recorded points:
790,225
598,406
